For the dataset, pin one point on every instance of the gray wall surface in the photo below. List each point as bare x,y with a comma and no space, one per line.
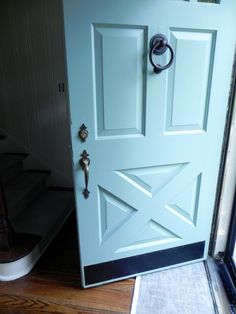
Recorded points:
32,110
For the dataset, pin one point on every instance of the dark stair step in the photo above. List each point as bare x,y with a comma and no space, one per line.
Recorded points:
10,165
22,190
45,215
2,137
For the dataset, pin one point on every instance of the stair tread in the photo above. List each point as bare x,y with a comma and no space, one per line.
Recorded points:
45,212
7,161
23,181
19,187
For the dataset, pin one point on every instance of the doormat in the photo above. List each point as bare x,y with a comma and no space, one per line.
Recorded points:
178,290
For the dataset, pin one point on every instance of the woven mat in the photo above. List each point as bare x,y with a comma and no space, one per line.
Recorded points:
181,290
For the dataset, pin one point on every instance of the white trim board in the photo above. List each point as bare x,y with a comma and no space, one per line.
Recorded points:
227,193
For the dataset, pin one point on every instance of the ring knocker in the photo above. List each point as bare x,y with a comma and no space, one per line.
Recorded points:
158,46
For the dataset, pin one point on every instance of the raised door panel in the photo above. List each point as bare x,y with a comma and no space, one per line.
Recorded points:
189,82
119,80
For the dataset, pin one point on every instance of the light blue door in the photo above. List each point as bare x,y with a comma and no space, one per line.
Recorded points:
154,140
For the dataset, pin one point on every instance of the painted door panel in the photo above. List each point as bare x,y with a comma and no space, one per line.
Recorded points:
154,140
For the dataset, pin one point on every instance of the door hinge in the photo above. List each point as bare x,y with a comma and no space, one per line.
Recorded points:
61,87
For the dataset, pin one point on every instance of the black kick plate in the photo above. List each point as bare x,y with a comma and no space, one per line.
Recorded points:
141,263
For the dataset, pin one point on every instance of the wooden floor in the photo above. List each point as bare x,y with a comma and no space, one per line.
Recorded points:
53,286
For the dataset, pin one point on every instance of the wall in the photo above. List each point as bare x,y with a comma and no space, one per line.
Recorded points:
32,110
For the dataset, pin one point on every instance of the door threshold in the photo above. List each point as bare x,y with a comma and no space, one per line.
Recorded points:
219,295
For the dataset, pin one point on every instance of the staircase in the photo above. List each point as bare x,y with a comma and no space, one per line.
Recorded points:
35,213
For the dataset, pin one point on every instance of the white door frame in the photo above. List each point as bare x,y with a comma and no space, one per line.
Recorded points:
227,178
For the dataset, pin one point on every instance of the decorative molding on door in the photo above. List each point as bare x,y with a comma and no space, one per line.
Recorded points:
185,204
152,234
113,213
128,44
189,86
150,180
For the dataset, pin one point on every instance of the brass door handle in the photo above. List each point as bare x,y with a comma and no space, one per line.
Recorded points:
84,163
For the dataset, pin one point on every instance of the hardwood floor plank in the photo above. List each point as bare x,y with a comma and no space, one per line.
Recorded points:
18,304
54,285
